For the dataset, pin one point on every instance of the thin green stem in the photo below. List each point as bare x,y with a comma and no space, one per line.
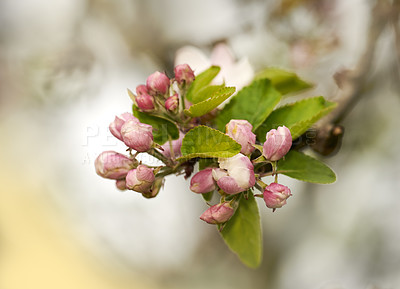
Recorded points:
266,174
155,153
274,173
171,148
260,185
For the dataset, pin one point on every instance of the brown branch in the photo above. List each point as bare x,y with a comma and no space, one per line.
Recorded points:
352,83
396,29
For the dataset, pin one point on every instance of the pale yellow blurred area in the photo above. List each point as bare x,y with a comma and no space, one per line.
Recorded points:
37,249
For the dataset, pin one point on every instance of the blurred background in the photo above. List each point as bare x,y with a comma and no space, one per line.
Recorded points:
64,69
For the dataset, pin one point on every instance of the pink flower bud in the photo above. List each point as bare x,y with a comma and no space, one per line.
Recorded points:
275,195
119,121
240,131
203,182
239,174
140,179
143,99
121,184
176,146
113,165
157,83
277,143
172,102
137,135
184,74
218,214
141,89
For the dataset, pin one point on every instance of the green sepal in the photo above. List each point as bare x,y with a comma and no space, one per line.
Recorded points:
207,196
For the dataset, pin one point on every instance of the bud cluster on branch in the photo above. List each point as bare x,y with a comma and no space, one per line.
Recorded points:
181,121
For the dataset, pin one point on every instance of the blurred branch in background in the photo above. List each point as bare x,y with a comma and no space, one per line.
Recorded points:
395,21
353,83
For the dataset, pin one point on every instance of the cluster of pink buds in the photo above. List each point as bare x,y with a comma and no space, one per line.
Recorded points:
127,171
198,127
229,176
236,174
159,92
157,96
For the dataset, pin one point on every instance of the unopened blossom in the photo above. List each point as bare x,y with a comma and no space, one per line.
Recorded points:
143,99
157,83
176,147
184,74
141,89
172,102
240,131
277,144
236,174
275,195
121,184
119,121
218,214
113,165
203,182
137,135
140,179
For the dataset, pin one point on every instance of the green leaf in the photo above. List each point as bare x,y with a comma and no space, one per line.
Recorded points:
253,103
298,116
209,104
205,142
162,128
205,93
202,80
242,233
284,81
305,168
